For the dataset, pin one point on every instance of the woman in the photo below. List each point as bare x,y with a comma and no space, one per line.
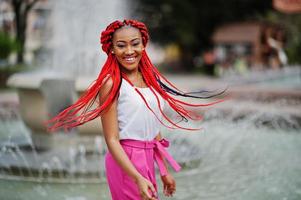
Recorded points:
130,95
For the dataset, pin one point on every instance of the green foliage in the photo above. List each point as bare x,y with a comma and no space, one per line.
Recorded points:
7,45
294,53
15,68
192,22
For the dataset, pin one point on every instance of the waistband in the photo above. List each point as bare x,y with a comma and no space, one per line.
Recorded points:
159,152
138,143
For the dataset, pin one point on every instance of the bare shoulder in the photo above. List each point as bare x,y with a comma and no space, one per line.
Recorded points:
107,83
107,86
109,116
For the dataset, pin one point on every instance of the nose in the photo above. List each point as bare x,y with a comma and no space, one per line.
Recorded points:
129,50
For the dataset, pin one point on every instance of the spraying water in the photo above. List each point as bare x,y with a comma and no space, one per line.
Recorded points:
74,31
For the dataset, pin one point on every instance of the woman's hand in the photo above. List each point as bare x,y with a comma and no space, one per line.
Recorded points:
169,185
146,189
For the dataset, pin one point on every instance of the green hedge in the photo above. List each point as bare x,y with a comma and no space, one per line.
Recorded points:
7,45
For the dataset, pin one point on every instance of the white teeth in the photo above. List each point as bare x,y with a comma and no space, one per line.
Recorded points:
130,59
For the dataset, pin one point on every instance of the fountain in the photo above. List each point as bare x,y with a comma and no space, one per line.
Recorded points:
70,51
70,59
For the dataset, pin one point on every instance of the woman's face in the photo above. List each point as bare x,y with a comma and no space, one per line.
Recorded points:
128,47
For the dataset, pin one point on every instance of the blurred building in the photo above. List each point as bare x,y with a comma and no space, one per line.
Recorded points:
6,17
35,30
257,44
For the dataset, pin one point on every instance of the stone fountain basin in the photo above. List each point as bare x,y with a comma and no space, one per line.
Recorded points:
32,103
33,79
33,108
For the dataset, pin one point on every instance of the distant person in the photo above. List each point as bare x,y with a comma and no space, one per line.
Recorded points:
130,95
279,43
273,48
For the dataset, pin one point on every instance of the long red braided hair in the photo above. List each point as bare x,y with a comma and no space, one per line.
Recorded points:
82,110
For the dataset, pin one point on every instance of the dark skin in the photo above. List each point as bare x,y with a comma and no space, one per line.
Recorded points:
128,47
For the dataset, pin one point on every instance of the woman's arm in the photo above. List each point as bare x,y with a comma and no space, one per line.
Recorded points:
110,129
111,135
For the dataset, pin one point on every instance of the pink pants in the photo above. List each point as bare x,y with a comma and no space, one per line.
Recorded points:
143,155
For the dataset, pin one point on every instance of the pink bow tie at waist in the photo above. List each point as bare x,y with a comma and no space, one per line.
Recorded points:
159,152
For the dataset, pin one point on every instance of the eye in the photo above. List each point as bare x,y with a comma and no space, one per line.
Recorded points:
120,45
136,43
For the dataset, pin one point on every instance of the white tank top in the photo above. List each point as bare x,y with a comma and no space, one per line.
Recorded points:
135,120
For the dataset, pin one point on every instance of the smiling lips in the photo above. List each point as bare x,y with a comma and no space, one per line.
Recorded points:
130,60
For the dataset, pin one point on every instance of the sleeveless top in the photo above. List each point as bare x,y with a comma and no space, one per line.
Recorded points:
135,120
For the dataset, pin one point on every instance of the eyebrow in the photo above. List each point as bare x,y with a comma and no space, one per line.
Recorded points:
130,41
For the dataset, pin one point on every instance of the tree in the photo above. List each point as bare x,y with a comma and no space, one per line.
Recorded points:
191,23
21,9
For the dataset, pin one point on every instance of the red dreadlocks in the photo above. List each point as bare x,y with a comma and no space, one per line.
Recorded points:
81,111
